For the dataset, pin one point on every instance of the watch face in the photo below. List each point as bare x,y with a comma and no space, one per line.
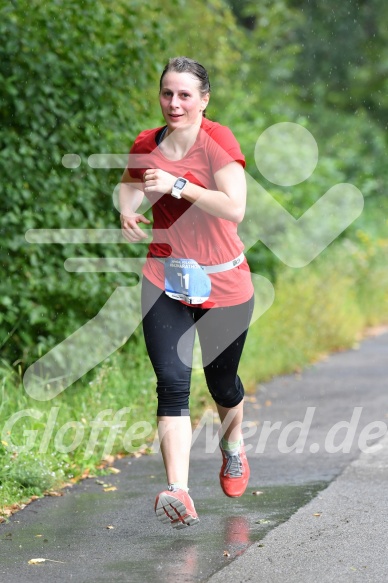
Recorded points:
179,183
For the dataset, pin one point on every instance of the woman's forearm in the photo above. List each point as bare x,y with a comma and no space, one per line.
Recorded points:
228,201
130,199
215,202
130,195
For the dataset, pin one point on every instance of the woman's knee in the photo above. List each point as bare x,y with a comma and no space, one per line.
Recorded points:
173,390
226,392
172,376
173,400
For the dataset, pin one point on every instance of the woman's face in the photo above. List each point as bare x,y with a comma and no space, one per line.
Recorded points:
181,101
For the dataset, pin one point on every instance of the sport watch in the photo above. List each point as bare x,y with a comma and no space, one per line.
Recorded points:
179,185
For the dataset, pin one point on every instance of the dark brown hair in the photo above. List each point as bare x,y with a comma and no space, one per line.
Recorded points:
186,65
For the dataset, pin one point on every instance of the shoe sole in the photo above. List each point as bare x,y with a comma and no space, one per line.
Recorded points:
238,495
171,510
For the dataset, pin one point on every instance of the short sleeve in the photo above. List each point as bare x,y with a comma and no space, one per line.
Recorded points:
135,172
223,148
142,154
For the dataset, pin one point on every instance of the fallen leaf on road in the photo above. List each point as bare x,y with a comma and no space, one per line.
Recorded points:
109,459
250,399
110,489
226,554
110,527
53,493
268,403
114,470
317,513
40,560
257,493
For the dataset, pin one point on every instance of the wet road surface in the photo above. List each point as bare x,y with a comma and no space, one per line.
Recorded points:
73,528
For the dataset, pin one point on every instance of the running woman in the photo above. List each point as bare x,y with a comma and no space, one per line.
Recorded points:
196,277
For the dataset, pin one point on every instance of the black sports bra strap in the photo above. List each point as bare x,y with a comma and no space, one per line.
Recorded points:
160,135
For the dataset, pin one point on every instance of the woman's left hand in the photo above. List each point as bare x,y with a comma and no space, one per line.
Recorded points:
156,180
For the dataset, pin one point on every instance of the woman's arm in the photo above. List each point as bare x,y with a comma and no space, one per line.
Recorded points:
228,202
130,198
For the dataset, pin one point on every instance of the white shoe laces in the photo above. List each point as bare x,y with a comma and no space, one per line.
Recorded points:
233,465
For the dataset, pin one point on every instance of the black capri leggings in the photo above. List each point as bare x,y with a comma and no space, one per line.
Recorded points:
169,331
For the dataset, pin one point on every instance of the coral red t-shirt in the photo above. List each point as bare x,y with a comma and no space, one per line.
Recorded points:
181,229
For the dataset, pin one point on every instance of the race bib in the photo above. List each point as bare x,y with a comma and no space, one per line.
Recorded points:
184,279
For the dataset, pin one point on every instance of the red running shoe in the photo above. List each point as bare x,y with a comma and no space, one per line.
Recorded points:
235,472
176,507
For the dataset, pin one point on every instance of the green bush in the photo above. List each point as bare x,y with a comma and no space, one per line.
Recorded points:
73,79
319,309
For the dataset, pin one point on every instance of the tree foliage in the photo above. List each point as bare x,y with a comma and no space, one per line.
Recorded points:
82,77
73,79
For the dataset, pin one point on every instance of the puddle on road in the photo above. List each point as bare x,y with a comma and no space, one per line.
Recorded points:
143,551
227,525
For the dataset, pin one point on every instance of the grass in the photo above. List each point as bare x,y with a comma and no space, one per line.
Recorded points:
318,309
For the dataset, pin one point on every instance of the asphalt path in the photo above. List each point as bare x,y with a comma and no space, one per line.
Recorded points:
341,535
315,508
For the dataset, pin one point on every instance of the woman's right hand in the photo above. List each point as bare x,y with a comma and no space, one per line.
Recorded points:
130,227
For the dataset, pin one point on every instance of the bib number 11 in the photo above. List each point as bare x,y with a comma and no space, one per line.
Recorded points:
184,280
